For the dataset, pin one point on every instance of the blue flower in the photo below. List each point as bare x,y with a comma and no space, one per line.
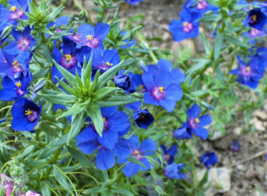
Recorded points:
256,19
164,65
114,122
25,114
14,90
261,52
161,91
172,171
183,133
197,124
122,81
199,6
71,59
235,146
249,73
109,59
170,153
146,148
11,15
87,35
134,106
187,28
133,2
254,33
12,66
209,159
23,42
129,42
143,118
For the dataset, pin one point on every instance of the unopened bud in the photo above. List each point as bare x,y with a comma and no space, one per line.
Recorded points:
81,15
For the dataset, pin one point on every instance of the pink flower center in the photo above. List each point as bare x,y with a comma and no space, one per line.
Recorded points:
68,61
245,71
16,13
92,42
187,27
193,122
24,43
255,32
16,67
76,37
31,115
158,93
202,5
136,154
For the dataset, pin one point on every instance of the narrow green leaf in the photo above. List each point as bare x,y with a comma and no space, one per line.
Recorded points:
44,189
121,192
95,114
71,79
103,92
58,99
235,41
117,101
60,177
46,152
78,155
76,126
66,87
218,45
73,111
87,71
136,161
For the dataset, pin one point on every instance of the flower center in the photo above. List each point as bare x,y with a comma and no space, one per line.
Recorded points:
68,57
193,122
31,115
202,5
23,44
13,8
187,27
18,84
76,37
255,32
158,93
89,37
246,71
16,66
136,154
92,42
68,61
254,17
109,64
167,157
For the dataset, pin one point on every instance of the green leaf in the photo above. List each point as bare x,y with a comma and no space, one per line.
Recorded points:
66,87
58,99
235,41
95,114
78,155
218,45
229,24
109,74
76,126
27,151
60,177
44,189
93,190
201,64
117,101
47,152
122,192
136,161
204,180
71,79
73,111
103,92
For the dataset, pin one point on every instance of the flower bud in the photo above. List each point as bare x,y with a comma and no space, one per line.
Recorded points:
143,118
82,15
122,81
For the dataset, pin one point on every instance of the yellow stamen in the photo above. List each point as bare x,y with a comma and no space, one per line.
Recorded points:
68,57
161,89
136,152
15,63
251,8
248,69
28,112
13,8
185,24
254,17
200,0
5,61
167,156
89,37
18,84
109,64
197,120
104,119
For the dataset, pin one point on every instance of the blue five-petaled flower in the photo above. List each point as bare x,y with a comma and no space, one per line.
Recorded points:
209,158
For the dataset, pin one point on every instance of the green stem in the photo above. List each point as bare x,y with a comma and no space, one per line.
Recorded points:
144,42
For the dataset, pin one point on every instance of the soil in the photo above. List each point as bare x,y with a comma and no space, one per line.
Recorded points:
246,177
